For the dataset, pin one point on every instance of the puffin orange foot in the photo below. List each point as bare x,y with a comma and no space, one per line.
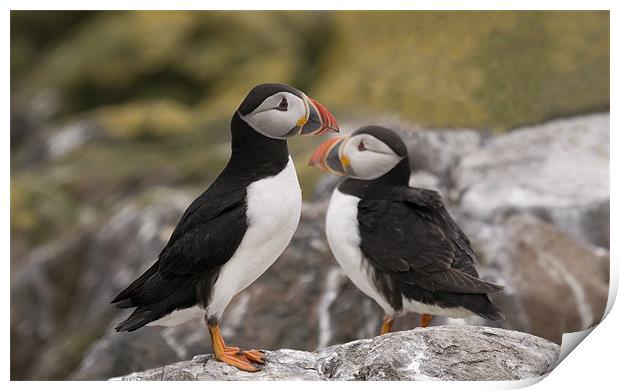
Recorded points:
388,321
232,355
236,360
252,355
425,320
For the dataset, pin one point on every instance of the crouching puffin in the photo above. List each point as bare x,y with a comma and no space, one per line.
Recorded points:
237,228
398,244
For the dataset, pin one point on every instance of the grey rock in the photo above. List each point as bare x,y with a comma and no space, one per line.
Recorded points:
435,353
40,286
61,293
116,353
439,151
554,284
558,170
126,245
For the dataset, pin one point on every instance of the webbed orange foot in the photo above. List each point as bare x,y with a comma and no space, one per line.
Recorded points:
237,361
252,354
232,355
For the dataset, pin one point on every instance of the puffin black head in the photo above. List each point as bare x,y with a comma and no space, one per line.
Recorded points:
368,153
280,111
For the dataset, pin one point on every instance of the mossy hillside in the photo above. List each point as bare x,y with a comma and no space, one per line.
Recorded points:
477,69
493,70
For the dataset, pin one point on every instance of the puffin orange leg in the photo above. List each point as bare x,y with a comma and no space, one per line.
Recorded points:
230,355
388,320
425,320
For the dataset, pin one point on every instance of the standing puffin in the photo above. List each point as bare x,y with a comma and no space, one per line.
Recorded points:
237,228
398,244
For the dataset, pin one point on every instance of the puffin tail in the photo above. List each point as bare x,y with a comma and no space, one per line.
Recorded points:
123,299
490,311
152,310
140,317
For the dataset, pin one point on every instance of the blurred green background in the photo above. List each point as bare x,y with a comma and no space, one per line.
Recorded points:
105,104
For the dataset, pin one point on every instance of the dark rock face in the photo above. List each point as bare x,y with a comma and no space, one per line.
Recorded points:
436,353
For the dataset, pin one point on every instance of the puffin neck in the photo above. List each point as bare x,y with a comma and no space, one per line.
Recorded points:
397,176
254,149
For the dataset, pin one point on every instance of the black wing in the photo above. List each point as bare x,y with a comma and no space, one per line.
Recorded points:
207,235
410,235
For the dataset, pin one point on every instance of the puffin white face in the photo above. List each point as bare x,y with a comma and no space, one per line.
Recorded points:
280,111
279,116
365,157
368,153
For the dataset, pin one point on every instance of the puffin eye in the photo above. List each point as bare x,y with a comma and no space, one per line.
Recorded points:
283,106
361,146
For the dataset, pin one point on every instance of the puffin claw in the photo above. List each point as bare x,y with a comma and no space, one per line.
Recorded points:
254,355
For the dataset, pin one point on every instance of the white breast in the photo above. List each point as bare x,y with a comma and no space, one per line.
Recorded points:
343,236
274,208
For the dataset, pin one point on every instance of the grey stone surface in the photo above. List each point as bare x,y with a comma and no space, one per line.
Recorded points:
440,151
554,284
61,294
117,353
559,170
435,353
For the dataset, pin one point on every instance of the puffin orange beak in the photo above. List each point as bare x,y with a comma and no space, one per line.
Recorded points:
327,157
320,120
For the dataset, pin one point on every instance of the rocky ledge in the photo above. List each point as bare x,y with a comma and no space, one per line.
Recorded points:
453,352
